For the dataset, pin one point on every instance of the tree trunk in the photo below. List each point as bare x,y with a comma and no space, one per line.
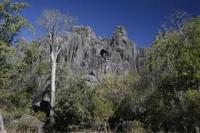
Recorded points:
2,128
197,129
53,82
105,127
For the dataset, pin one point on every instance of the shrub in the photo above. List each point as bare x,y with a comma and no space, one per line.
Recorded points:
73,106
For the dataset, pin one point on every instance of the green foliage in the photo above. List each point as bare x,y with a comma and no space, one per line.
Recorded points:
161,108
73,106
137,127
79,106
175,69
175,55
11,24
22,81
177,111
103,107
191,109
11,21
27,68
116,99
6,54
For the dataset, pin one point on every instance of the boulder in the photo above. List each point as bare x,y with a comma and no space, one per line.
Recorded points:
27,122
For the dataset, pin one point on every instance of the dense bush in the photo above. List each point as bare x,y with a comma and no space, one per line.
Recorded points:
73,106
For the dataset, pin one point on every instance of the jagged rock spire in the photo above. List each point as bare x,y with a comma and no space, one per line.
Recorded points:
120,32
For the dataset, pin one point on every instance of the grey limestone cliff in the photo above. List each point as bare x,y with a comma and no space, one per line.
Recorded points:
88,54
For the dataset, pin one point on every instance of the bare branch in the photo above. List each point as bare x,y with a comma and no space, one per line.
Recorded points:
59,50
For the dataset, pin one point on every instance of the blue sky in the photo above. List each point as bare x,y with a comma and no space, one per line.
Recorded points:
142,18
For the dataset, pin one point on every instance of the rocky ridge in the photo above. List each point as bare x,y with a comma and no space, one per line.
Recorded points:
88,54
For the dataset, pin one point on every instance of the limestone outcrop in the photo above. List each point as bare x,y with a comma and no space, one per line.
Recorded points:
88,54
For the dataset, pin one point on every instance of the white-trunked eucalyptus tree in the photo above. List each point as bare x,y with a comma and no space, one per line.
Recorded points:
56,26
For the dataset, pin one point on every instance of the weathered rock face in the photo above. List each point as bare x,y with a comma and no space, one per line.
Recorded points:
88,54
